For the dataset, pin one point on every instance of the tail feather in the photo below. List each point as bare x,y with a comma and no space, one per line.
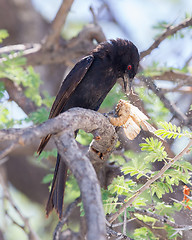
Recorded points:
56,195
43,143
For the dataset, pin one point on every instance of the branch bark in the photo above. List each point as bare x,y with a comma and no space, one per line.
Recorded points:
64,127
86,177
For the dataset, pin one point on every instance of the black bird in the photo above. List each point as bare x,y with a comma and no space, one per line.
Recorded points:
86,86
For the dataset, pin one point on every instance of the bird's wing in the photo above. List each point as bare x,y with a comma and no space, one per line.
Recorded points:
69,84
67,88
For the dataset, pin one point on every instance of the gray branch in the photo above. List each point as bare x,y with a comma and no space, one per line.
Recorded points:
63,128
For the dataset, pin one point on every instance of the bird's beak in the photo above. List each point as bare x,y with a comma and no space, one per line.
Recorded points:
127,82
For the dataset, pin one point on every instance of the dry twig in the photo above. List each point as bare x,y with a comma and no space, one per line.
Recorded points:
65,217
171,106
168,32
51,40
26,226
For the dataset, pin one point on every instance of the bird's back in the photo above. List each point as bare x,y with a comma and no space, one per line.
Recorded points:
94,87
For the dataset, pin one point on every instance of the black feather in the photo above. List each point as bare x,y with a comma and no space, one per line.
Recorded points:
86,86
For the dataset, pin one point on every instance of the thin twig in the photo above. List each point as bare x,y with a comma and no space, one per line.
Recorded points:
121,223
174,76
118,235
149,182
26,227
162,219
168,32
23,227
171,106
188,61
125,222
19,48
65,217
94,15
179,88
177,201
57,24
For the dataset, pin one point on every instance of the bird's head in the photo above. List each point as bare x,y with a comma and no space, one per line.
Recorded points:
127,60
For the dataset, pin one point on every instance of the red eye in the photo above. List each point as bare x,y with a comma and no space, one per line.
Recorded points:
129,67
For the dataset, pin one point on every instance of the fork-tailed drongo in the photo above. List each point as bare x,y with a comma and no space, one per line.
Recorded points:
86,86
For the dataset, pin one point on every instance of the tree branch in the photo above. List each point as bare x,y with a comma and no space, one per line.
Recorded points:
86,177
173,76
64,127
51,41
162,219
68,50
16,94
169,31
149,182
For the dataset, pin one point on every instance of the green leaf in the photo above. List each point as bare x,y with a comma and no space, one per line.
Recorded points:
156,152
3,34
113,97
110,205
2,89
12,67
161,25
5,119
177,175
48,178
158,189
145,218
41,115
46,154
143,233
171,131
84,138
184,165
47,100
120,186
